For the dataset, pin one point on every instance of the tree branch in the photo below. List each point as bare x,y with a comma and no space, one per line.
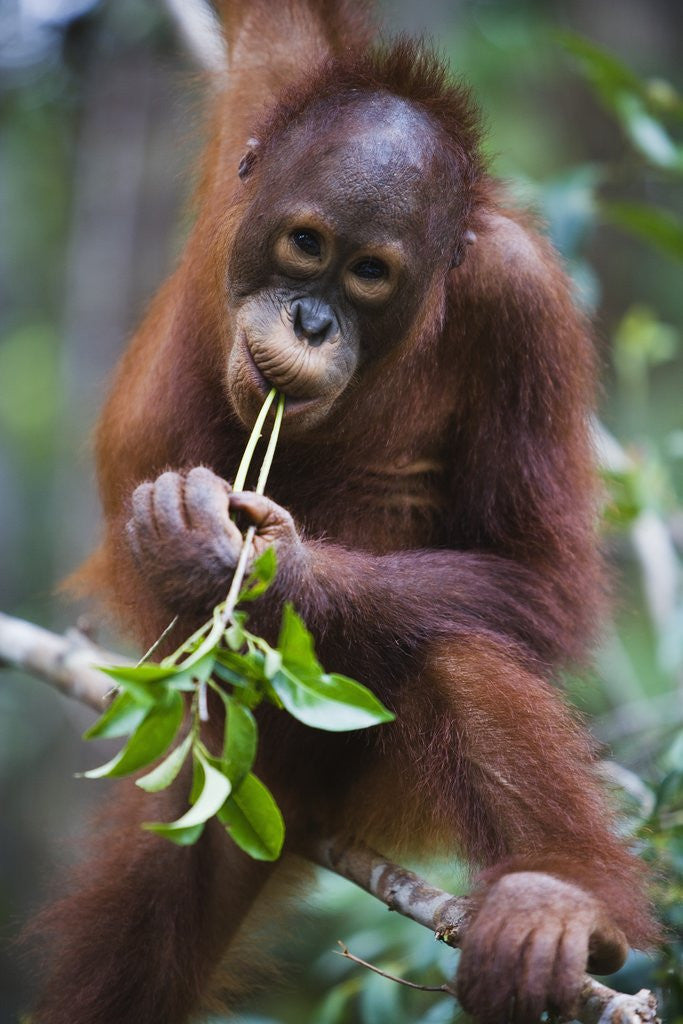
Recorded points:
446,915
68,664
401,890
65,662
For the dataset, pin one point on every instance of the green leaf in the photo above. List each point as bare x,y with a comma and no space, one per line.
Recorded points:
189,679
197,777
658,227
214,791
631,99
227,675
209,642
624,503
273,662
647,134
295,644
641,341
331,702
568,203
663,97
180,836
164,774
253,820
323,701
149,683
234,635
608,75
240,738
122,717
249,666
149,741
143,682
264,568
262,574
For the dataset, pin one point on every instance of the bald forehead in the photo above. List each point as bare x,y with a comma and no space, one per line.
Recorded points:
385,132
372,151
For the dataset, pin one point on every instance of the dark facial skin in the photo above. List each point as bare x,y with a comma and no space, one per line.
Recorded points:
329,264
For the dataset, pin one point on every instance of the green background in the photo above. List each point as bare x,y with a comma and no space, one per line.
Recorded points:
98,112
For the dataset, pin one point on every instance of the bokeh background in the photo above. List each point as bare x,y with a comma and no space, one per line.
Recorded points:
98,114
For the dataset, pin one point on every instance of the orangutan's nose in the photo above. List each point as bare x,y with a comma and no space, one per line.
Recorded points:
313,321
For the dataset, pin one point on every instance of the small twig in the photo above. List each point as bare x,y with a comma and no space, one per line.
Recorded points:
393,977
238,577
272,444
157,643
203,703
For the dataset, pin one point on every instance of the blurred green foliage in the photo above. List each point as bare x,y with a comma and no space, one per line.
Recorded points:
594,146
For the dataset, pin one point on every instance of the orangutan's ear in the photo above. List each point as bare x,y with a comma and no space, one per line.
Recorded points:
468,238
248,159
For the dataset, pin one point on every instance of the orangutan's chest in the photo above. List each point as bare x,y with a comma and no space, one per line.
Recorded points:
393,507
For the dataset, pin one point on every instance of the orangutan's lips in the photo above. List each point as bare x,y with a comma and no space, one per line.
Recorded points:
263,385
257,377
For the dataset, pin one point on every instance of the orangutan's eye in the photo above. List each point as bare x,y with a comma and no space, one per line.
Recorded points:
370,270
307,242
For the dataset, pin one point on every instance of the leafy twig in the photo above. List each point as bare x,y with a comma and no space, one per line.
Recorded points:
67,666
149,708
245,550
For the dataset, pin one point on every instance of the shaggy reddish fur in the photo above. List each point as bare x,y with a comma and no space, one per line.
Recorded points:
448,516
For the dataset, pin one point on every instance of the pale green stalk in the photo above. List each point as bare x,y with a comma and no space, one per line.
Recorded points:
223,613
241,567
272,443
238,485
245,462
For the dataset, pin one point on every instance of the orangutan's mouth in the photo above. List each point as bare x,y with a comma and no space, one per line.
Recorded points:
263,385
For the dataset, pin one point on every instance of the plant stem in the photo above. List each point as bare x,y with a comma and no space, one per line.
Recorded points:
245,461
238,485
228,606
241,567
186,644
159,640
392,977
272,443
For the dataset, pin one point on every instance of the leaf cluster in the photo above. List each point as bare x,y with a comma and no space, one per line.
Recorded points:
243,670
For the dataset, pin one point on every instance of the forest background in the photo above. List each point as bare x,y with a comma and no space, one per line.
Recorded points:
585,121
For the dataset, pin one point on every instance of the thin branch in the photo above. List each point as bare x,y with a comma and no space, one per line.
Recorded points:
158,642
67,663
345,952
254,437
